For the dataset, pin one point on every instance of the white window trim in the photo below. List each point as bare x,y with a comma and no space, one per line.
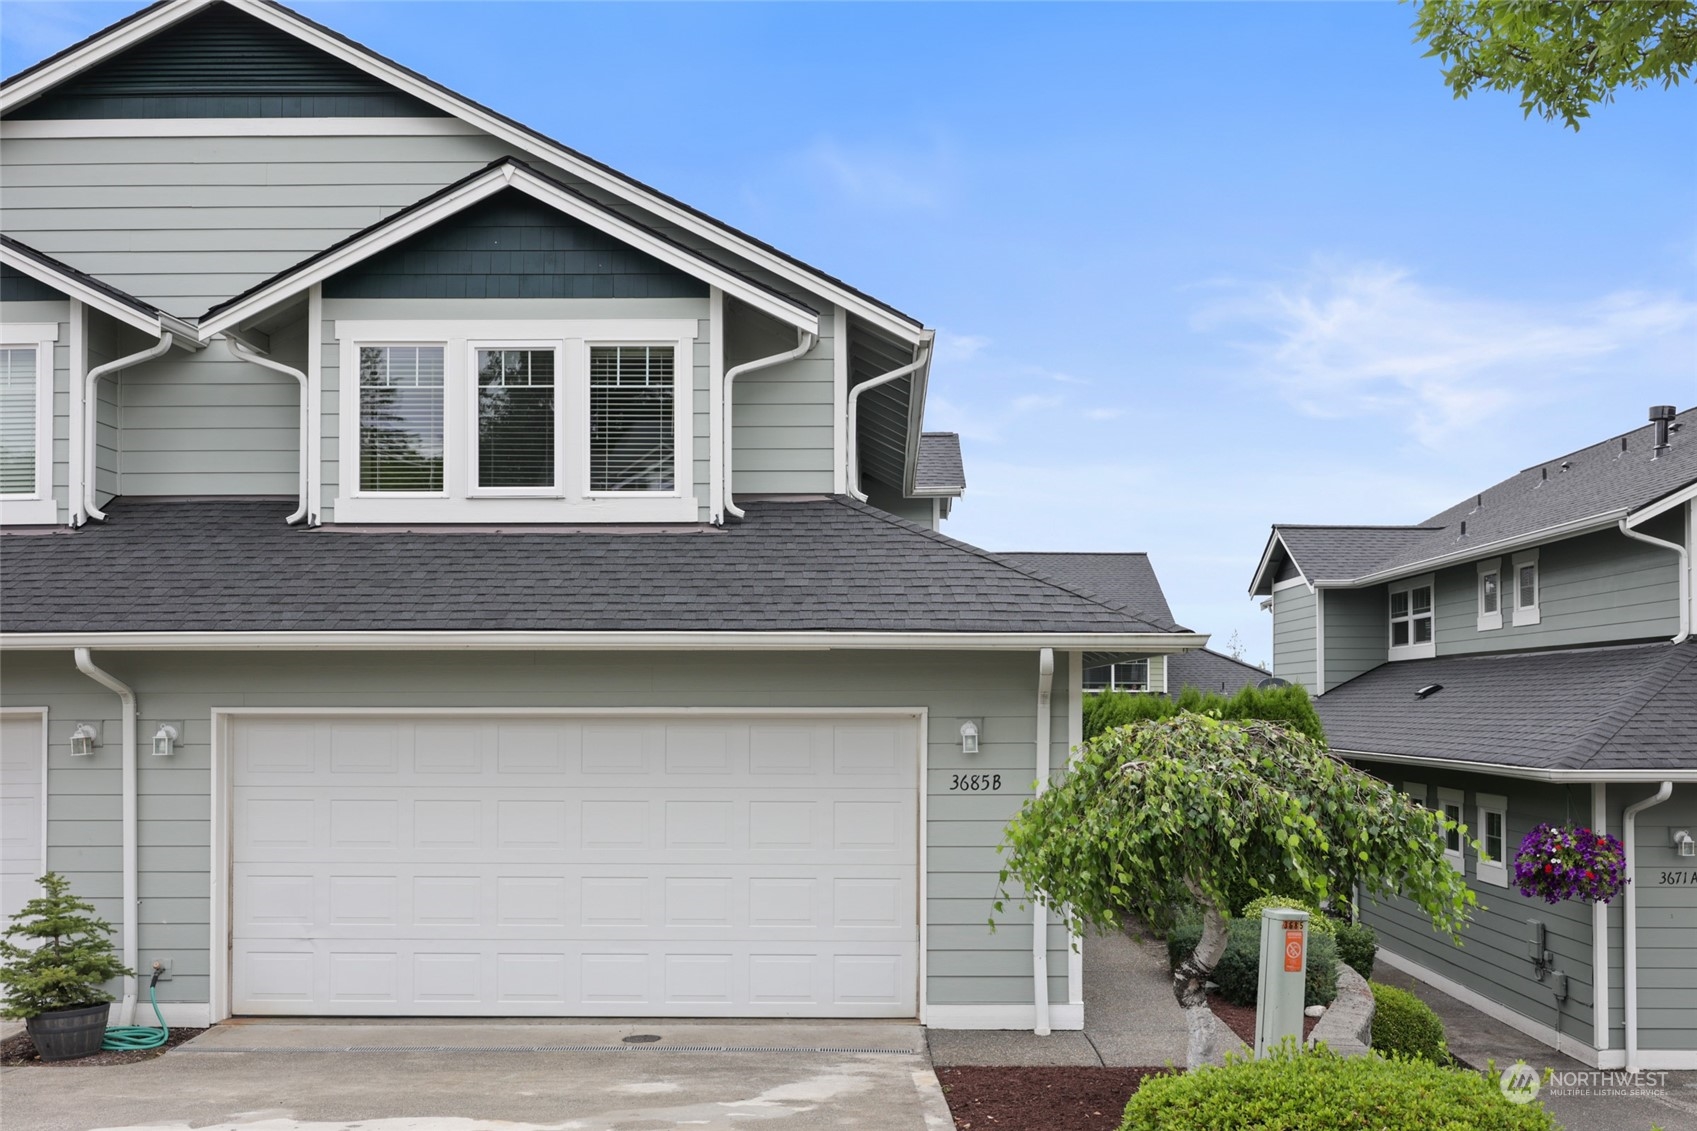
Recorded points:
1113,684
1411,650
1417,791
1528,614
37,508
569,501
1457,856
1490,620
1492,871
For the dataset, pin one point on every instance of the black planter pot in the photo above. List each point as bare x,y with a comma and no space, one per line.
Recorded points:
65,1034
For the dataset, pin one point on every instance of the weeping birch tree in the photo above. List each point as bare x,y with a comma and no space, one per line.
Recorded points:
1199,807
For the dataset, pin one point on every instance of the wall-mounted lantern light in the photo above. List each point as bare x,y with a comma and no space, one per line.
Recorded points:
1682,841
164,739
969,737
84,739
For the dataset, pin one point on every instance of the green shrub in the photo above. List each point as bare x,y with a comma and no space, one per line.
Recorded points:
1402,1023
1288,705
1239,971
1318,923
1358,946
1321,1091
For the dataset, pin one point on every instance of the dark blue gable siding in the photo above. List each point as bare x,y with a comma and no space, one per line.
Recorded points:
220,63
513,246
15,286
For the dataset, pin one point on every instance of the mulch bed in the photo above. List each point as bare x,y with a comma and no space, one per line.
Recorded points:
18,1051
1040,1099
1241,1019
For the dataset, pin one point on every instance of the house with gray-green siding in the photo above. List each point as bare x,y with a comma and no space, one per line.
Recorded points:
441,575
1525,658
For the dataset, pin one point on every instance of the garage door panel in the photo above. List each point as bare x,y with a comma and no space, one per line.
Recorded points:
557,866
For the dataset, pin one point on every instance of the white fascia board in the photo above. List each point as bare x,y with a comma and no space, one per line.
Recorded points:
1663,505
142,27
588,171
921,382
1274,540
1524,773
1572,529
481,188
1160,642
155,324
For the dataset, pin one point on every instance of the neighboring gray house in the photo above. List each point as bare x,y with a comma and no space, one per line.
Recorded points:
442,575
1526,656
1128,581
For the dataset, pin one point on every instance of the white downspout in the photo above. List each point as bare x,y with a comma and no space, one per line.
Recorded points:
79,361
914,366
1628,836
132,905
242,351
805,340
91,441
1684,575
1040,913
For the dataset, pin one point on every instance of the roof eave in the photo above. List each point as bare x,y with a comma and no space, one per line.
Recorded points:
1527,773
1588,525
1260,585
135,312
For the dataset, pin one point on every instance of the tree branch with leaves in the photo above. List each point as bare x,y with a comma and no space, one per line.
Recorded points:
1198,808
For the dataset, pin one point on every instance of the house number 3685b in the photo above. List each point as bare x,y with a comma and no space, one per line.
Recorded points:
975,783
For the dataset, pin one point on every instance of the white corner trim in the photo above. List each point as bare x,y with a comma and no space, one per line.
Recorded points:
1561,1042
1320,641
1009,1016
1600,933
716,406
177,1014
839,405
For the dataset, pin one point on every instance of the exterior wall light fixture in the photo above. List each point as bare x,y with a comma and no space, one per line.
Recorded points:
969,737
164,739
84,739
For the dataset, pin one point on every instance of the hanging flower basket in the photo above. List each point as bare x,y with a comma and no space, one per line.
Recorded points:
1561,862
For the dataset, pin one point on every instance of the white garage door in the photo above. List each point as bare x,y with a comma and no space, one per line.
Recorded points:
575,866
22,792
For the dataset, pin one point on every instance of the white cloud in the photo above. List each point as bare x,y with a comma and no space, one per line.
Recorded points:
1104,414
916,179
953,347
1349,339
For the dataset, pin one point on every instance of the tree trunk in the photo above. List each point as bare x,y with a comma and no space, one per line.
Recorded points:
1191,977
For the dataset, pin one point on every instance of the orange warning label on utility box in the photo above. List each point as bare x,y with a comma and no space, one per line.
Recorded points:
1293,952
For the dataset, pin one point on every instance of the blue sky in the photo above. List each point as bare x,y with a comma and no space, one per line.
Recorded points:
1195,268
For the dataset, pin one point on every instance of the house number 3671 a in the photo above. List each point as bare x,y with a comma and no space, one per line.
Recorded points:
975,783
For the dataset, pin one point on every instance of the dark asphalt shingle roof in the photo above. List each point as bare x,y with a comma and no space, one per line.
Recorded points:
66,271
1126,580
1208,670
1590,483
826,564
1623,707
939,467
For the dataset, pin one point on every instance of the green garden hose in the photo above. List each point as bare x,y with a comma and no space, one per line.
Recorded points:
130,1038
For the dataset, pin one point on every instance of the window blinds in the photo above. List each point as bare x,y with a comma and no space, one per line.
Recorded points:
630,418
515,418
400,418
17,421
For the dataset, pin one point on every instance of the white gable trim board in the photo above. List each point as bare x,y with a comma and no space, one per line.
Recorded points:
690,921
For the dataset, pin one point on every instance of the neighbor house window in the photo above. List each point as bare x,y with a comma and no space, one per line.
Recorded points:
515,418
1411,619
1493,839
400,418
1527,588
1127,675
1490,594
631,436
26,423
1451,803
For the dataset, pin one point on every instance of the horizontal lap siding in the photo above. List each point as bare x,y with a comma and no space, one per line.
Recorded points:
783,435
192,221
1492,959
1598,589
1294,655
1667,923
968,962
1356,632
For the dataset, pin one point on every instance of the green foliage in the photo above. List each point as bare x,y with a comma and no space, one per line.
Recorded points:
1563,57
1358,946
1238,972
66,957
1318,923
1289,705
1216,807
1321,1091
1402,1023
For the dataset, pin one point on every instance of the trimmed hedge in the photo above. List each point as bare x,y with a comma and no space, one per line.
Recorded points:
1288,705
1239,972
1321,1091
1402,1023
1358,947
1318,922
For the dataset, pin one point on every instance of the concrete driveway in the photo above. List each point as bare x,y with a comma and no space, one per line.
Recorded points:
328,1076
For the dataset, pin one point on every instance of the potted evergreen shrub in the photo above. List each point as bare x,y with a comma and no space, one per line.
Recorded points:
54,957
